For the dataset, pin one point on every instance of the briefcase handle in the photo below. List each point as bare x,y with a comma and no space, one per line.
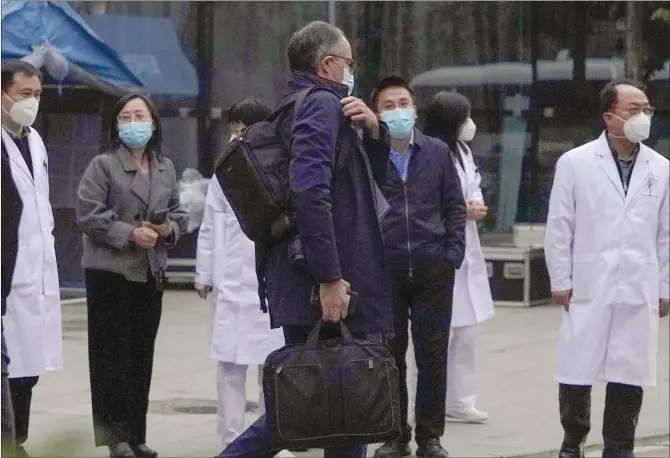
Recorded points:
313,339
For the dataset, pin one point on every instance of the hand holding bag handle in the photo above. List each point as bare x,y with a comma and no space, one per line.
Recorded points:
313,339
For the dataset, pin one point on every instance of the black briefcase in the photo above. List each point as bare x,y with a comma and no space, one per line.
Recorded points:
331,393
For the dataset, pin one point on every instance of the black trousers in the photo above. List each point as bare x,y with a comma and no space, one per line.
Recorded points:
622,412
123,318
425,298
21,390
8,432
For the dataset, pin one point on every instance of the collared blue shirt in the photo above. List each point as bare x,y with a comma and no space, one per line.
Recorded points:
400,159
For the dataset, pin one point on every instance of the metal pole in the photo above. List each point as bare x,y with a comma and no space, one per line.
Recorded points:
534,185
633,42
204,52
331,12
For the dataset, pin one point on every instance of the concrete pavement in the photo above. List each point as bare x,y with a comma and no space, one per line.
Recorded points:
516,359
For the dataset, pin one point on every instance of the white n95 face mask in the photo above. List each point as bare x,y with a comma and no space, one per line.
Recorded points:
468,131
637,128
24,111
348,80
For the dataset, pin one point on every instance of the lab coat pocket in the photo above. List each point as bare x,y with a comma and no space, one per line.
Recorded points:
23,271
652,287
583,280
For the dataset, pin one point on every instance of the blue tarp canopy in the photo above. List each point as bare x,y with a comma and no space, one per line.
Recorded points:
150,47
57,40
112,53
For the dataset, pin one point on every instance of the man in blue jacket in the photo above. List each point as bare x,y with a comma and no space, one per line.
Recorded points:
424,233
337,213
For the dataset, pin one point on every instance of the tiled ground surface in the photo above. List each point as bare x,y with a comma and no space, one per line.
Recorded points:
516,358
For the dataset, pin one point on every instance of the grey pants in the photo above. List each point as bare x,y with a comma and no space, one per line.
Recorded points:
8,435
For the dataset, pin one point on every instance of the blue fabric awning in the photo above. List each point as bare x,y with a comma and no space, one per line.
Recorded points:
57,38
150,47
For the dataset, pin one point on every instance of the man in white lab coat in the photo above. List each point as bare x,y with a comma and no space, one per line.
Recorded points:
33,319
240,331
607,251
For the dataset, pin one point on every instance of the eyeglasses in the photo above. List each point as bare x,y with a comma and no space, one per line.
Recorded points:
353,65
649,111
125,118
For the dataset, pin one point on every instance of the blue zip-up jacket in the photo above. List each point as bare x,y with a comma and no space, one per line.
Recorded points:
426,223
335,215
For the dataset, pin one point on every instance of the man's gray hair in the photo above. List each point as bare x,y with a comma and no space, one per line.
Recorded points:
311,44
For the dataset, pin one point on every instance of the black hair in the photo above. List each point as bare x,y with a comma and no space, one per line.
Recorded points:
608,94
389,81
445,116
311,44
14,66
154,143
249,111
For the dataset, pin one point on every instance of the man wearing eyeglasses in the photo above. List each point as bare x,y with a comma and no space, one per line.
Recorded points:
337,207
607,248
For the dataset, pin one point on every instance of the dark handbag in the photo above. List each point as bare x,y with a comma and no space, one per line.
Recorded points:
331,393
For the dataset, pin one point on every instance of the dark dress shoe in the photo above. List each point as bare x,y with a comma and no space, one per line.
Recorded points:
571,452
393,449
431,448
144,451
121,450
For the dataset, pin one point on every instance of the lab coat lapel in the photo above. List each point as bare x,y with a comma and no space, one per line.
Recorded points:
462,174
38,156
15,155
641,173
607,165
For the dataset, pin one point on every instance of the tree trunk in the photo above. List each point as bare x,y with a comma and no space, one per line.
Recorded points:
633,57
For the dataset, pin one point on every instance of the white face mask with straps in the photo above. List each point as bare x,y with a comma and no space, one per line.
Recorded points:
24,111
468,130
635,129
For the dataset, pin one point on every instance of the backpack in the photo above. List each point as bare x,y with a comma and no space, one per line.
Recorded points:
253,174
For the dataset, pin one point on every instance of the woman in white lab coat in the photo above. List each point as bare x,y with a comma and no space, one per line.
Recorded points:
448,118
225,261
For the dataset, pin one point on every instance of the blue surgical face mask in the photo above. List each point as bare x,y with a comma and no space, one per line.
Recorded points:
400,121
348,80
135,134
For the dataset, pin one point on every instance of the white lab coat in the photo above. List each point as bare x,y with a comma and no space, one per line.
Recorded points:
240,331
612,250
472,302
33,320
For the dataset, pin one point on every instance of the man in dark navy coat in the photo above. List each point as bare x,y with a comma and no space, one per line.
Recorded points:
337,213
12,207
424,234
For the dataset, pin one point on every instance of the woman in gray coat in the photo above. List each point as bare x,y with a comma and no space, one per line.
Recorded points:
128,210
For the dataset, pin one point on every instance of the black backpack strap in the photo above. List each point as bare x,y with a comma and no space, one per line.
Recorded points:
343,143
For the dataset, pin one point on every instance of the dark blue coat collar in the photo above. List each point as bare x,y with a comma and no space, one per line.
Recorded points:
304,80
419,139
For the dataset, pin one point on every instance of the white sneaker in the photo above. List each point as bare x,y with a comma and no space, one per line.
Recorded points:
285,454
471,415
